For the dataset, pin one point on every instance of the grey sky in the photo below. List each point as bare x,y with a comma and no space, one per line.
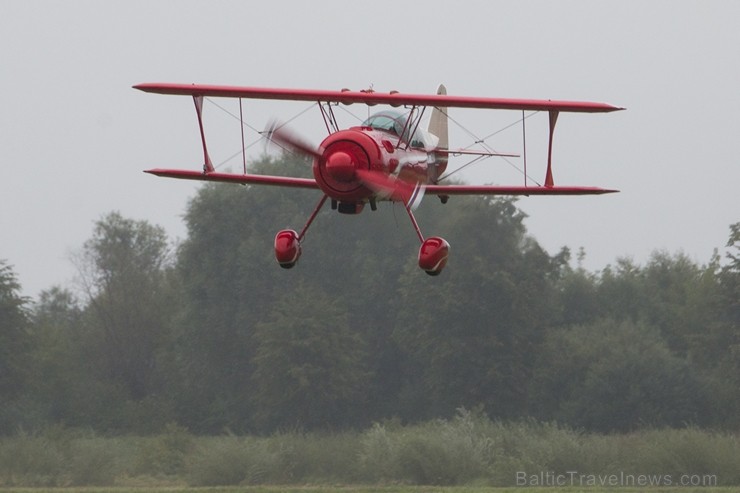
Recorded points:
74,136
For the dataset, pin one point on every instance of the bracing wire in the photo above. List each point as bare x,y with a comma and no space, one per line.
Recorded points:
261,133
476,140
487,147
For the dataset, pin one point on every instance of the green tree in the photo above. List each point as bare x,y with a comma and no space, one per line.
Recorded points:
309,366
615,376
15,345
124,267
232,284
730,282
683,301
229,280
723,340
577,293
621,291
61,388
469,335
671,293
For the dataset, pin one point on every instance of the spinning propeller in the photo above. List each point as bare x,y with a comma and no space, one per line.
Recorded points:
279,133
344,168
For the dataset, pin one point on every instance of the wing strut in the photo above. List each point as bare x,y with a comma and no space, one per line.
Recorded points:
207,165
241,125
524,147
548,178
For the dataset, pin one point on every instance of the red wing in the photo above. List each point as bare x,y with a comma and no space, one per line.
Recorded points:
393,99
283,181
506,190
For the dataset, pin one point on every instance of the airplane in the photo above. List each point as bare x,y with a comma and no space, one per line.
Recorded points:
388,157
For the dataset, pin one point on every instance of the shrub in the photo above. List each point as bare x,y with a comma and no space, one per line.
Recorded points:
444,452
165,454
27,460
468,449
687,451
92,461
222,461
378,455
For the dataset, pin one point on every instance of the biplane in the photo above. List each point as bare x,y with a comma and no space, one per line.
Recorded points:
388,157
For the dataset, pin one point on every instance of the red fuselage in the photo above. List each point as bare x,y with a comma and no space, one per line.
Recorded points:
366,148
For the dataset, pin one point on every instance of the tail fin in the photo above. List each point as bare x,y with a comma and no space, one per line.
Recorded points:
438,122
438,127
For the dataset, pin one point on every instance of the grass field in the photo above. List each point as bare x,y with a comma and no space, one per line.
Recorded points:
468,454
365,489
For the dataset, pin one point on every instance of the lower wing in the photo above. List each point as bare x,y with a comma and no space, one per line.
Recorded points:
248,179
509,190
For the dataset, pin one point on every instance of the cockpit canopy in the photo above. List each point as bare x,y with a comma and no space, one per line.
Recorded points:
394,122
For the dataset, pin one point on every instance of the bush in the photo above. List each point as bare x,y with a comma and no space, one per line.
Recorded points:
378,455
468,449
223,461
27,460
440,453
92,461
60,458
686,451
166,454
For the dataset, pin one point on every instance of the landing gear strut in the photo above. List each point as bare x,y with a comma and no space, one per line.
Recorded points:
433,252
288,242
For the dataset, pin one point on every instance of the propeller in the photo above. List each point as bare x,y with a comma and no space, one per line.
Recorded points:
393,188
279,133
342,167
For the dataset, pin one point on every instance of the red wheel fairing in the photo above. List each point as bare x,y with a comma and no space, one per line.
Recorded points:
433,255
287,248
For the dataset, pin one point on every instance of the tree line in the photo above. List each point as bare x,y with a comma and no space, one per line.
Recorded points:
211,335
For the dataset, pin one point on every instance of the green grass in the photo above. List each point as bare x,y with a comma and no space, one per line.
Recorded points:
361,489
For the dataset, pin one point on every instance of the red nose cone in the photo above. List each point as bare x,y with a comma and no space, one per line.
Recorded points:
340,166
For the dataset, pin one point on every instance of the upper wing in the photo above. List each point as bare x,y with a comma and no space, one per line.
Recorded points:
372,98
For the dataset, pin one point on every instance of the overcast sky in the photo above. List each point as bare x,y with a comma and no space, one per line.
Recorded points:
74,136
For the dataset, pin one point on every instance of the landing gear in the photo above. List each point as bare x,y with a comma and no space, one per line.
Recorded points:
433,252
288,242
433,255
287,248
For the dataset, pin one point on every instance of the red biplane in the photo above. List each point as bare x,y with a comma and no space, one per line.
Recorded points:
388,157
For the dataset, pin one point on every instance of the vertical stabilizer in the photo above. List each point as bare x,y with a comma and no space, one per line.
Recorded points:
438,127
438,122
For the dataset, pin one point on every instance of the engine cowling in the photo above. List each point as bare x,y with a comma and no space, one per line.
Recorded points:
344,152
433,255
287,248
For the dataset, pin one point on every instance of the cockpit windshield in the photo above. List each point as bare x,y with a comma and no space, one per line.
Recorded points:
388,121
394,122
